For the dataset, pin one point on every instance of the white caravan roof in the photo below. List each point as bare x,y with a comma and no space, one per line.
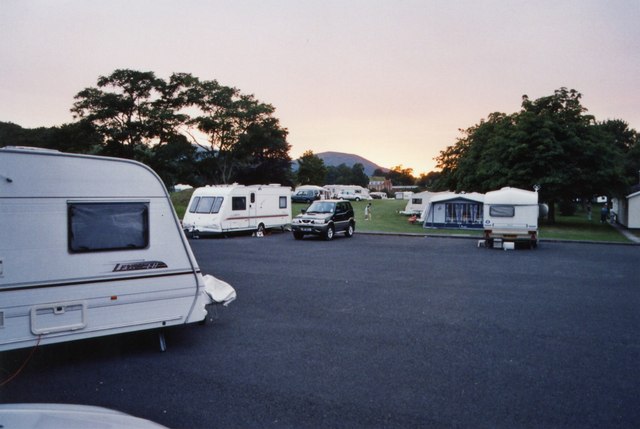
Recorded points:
222,190
76,176
513,196
310,188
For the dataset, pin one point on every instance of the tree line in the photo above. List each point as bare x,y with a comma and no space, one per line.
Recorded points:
199,132
188,130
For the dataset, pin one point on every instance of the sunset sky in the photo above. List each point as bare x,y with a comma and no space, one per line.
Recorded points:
392,81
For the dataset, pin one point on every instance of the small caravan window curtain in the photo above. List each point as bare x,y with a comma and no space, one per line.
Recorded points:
97,227
502,211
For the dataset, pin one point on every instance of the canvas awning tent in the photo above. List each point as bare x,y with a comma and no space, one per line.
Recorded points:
453,210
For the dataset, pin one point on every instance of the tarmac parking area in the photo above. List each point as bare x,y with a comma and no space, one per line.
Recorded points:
378,331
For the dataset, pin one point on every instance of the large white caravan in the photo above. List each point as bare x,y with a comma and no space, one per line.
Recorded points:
511,215
215,210
90,246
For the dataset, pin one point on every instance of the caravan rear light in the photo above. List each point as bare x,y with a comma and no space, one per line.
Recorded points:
114,297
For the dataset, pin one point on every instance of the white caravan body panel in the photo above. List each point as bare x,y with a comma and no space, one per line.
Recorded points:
90,246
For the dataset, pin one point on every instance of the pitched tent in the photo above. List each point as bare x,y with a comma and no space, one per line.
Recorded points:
452,210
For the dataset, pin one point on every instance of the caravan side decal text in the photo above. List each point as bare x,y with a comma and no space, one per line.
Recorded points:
135,266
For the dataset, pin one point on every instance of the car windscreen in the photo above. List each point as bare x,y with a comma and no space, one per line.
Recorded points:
321,207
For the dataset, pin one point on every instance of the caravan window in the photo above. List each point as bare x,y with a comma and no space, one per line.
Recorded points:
194,204
94,227
217,204
238,203
206,205
283,202
416,201
502,211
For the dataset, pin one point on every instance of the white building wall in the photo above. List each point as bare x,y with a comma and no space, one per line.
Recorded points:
633,202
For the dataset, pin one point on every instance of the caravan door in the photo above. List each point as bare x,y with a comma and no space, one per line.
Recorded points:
253,211
239,217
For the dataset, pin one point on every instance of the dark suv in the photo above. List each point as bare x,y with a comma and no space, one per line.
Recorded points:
305,196
325,218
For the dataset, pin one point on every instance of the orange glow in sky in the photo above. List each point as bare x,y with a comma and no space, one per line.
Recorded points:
391,81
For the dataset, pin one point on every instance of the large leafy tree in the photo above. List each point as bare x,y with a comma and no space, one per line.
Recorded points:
627,141
311,169
551,142
264,154
229,120
120,108
401,176
137,114
358,176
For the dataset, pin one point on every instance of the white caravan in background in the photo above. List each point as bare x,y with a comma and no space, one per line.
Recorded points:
418,203
215,210
511,215
348,192
91,246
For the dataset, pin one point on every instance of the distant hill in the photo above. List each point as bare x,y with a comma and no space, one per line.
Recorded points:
334,159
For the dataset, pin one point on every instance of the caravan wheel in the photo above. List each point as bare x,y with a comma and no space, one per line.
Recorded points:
260,229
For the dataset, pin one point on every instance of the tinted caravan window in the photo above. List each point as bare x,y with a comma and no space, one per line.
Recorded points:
238,203
502,211
95,227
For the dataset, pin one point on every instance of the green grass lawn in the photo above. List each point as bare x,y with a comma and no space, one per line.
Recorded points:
579,227
385,217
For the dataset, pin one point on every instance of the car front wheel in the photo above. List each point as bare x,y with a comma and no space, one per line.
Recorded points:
298,235
329,234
